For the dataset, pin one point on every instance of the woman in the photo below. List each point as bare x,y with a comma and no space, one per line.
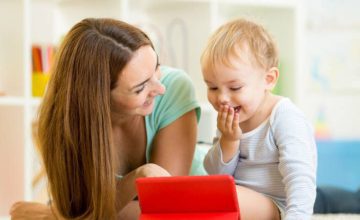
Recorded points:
106,120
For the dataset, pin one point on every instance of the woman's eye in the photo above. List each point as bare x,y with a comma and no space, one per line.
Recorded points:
140,89
212,88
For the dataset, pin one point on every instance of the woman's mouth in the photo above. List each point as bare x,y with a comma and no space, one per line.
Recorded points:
148,103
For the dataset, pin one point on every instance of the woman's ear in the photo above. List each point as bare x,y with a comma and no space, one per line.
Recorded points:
271,77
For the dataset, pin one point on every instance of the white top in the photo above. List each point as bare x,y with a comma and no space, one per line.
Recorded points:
278,159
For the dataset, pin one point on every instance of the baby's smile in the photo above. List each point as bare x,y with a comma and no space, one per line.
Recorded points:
237,109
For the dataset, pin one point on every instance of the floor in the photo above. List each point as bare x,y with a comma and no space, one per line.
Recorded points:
336,217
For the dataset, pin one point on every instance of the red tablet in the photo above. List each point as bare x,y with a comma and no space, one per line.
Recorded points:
188,197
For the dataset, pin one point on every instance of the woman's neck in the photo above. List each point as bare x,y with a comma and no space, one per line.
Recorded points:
129,140
123,121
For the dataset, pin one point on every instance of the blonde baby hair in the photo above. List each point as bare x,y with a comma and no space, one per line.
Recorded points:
243,35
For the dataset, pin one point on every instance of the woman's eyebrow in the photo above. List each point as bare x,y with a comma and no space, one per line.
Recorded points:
140,84
157,62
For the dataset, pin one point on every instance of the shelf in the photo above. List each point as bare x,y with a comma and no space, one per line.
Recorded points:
12,153
35,102
11,101
18,101
12,46
262,3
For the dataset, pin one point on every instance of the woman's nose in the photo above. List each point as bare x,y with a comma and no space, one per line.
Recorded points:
161,89
158,88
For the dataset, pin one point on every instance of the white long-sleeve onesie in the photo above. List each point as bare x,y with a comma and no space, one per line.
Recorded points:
278,159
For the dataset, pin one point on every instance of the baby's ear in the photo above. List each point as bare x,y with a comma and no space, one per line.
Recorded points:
271,77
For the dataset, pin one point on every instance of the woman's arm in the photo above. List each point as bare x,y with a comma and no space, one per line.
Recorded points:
33,211
126,188
126,192
174,145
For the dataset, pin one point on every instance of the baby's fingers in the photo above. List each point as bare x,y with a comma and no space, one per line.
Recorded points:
236,122
221,119
229,119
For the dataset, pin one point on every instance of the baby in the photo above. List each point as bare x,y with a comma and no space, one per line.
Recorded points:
264,141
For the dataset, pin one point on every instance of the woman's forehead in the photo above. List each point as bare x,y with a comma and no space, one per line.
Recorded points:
140,67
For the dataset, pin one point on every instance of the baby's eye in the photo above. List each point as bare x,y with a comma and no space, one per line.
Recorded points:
235,88
212,88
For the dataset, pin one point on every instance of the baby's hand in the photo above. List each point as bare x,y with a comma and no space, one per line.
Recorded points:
228,122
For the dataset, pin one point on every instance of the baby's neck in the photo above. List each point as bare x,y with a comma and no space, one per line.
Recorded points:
264,111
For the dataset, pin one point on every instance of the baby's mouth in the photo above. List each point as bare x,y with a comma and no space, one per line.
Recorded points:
237,109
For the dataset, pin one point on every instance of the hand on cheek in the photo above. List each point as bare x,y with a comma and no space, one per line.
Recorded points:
228,122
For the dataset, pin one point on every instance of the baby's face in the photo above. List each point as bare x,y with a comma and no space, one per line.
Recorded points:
241,86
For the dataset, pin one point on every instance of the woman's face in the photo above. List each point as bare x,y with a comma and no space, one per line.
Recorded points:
138,84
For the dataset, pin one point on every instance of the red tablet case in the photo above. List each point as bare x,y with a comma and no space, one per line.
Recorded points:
188,197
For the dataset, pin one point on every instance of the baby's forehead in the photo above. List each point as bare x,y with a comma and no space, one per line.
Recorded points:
235,61
236,69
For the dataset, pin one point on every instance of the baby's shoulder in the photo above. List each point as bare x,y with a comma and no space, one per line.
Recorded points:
284,111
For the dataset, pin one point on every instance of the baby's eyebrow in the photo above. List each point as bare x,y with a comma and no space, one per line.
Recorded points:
209,83
232,81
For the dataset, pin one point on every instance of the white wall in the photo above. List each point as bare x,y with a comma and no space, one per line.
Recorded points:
332,87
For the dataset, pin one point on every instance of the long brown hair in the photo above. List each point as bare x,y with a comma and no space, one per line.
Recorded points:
74,132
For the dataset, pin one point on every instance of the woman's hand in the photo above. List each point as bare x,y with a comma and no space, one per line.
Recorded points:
127,208
31,211
151,170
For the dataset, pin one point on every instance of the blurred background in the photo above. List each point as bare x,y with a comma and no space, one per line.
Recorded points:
319,44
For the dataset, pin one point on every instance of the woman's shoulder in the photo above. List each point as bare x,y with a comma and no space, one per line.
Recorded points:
178,99
171,75
166,70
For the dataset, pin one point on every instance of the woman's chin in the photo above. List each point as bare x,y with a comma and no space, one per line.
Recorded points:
147,109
